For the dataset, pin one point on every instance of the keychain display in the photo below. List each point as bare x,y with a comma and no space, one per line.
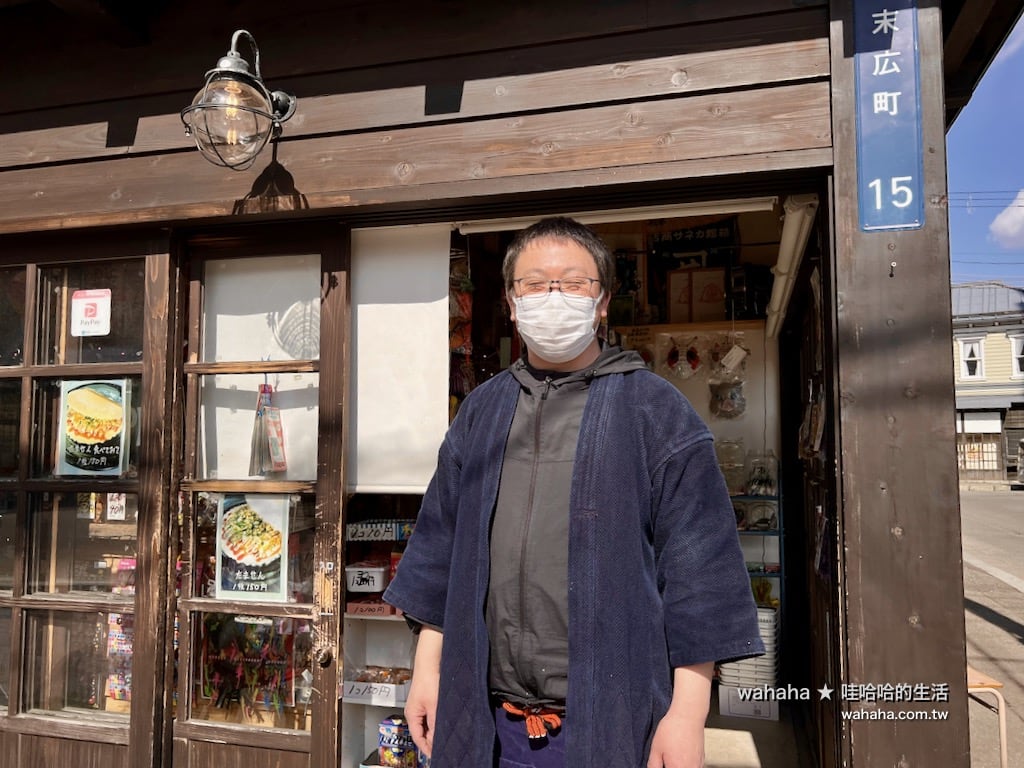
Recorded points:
682,358
727,376
266,453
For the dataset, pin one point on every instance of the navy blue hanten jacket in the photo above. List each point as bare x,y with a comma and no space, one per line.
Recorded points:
656,575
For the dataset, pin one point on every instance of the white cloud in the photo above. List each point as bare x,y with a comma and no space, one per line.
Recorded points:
1008,227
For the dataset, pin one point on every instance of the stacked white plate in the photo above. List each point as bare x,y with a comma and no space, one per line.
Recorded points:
761,670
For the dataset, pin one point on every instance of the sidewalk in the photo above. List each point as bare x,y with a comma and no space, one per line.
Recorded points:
993,532
990,485
744,742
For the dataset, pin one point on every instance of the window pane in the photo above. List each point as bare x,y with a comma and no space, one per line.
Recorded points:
82,542
12,316
91,313
10,423
261,309
233,446
95,433
5,653
254,670
297,550
78,663
8,522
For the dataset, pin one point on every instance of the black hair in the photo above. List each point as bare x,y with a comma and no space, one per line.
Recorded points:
565,229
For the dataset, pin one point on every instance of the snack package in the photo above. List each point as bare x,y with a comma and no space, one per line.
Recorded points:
395,745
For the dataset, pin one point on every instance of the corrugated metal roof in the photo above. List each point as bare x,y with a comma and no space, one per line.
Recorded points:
986,299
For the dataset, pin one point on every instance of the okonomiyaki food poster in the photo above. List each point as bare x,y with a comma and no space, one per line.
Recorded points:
252,547
93,427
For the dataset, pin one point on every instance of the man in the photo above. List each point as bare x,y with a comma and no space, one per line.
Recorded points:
575,568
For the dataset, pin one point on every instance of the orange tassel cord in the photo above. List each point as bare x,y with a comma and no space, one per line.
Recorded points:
538,720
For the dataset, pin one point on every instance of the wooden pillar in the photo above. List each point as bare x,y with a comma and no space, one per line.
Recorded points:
151,695
902,578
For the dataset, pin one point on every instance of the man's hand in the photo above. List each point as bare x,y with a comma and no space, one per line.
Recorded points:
678,743
421,703
679,738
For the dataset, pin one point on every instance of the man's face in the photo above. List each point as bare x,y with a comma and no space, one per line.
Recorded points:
548,259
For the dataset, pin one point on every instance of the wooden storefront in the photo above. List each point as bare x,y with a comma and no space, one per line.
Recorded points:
414,121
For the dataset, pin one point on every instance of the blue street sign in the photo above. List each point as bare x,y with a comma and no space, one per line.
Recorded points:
890,164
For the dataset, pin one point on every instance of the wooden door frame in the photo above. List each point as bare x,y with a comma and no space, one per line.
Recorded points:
332,242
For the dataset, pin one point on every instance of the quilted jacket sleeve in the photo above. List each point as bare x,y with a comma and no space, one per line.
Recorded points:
420,586
709,607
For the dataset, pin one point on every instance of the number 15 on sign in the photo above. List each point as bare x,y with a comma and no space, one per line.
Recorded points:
898,192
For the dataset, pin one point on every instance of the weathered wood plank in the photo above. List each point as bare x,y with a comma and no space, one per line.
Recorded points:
437,194
332,448
899,521
631,80
210,743
666,75
54,145
329,171
40,749
150,742
10,750
333,36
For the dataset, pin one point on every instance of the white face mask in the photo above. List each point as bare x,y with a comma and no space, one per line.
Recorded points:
556,327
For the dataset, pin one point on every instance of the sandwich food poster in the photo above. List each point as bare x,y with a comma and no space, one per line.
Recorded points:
93,427
252,542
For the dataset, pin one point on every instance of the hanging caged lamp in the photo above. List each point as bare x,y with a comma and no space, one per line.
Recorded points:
234,115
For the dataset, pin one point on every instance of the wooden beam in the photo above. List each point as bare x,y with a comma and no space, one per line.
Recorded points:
159,357
325,115
332,449
107,21
332,171
901,571
380,45
973,17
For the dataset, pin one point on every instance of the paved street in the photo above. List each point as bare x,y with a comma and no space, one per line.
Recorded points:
993,544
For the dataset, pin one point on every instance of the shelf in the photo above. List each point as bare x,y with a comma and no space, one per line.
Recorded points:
368,617
766,574
368,703
754,532
120,531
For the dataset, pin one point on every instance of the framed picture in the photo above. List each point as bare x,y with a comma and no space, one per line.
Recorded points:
93,427
679,295
707,291
252,547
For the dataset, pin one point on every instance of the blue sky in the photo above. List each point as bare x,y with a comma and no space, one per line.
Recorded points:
985,156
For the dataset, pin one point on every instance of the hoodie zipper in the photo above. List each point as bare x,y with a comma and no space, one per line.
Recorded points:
529,511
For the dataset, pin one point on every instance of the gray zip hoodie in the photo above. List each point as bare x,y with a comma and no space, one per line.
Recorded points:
528,597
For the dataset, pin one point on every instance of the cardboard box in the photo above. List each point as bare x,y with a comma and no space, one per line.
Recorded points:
729,704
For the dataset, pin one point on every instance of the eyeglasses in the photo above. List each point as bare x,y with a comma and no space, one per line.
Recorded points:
571,286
